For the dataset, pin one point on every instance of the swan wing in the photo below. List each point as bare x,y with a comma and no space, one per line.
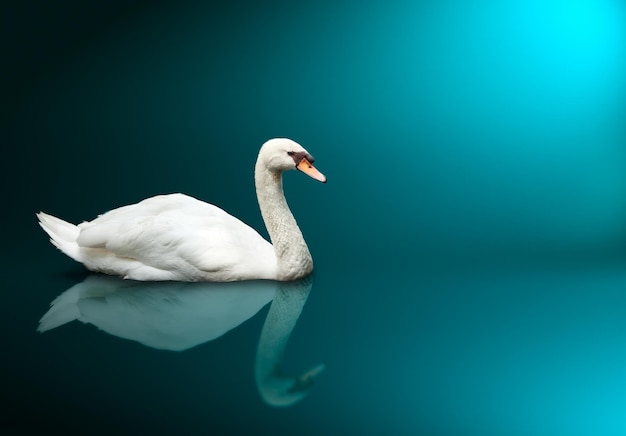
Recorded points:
175,237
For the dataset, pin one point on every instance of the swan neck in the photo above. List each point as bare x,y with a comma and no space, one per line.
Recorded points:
292,254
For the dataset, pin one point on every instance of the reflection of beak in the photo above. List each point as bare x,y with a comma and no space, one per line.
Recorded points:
306,380
307,168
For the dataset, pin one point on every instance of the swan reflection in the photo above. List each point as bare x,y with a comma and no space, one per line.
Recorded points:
177,316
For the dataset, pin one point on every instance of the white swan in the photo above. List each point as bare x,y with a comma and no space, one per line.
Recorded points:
177,237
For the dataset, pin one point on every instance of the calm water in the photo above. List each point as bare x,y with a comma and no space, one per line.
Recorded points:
538,351
470,244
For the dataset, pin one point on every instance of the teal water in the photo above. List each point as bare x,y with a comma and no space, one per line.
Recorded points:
469,244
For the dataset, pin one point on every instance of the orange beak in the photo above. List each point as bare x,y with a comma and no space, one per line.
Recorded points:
307,168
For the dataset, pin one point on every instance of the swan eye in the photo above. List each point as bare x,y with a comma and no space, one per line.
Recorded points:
291,153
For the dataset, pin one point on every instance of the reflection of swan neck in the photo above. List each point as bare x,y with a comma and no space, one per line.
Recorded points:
277,388
292,253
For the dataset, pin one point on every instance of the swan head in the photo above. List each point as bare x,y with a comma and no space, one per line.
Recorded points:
282,154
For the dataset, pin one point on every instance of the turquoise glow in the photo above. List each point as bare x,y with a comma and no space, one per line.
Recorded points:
469,125
469,245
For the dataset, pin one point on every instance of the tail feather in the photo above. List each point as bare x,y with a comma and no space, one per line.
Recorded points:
62,234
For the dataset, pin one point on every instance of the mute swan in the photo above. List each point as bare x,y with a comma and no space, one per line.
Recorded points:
177,237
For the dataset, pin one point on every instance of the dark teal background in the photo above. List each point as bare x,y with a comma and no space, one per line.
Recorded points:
469,244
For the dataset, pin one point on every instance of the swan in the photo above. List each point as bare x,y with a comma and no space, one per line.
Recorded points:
177,237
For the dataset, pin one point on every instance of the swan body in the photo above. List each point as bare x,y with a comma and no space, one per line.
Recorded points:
177,237
167,237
